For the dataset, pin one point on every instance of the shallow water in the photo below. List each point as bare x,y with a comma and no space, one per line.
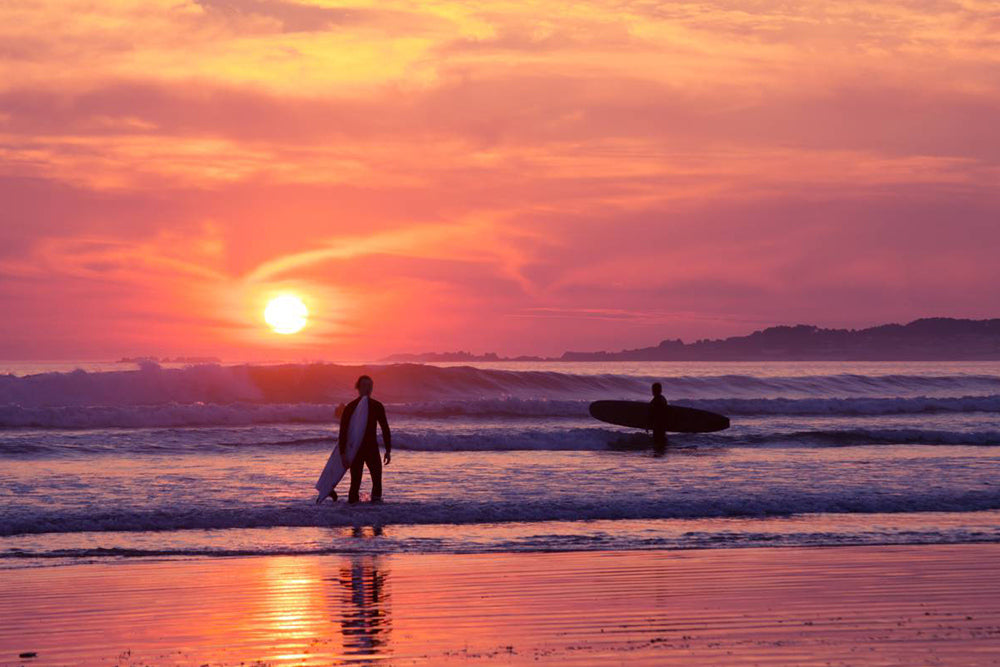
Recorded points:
221,460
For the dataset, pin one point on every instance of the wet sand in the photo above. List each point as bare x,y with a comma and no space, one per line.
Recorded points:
803,606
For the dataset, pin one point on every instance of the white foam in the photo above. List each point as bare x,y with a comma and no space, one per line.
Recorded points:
246,414
499,510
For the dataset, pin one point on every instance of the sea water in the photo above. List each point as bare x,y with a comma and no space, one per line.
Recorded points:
109,462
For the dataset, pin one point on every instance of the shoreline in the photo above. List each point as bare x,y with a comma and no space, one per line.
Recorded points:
528,537
917,604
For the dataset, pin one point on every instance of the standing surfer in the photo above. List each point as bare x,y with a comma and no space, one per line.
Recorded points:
658,416
357,446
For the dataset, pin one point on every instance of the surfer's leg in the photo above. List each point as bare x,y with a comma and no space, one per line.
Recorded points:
659,442
357,469
374,462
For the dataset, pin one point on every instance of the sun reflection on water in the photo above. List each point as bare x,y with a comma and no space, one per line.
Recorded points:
350,601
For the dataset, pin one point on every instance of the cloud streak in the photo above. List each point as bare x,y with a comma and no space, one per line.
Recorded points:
481,176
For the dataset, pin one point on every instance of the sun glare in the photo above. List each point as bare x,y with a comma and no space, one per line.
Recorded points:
286,314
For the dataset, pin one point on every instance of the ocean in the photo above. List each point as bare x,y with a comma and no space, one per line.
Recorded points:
105,463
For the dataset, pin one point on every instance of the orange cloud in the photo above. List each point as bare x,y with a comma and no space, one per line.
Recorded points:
454,175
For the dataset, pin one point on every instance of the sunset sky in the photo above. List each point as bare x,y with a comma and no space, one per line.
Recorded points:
458,175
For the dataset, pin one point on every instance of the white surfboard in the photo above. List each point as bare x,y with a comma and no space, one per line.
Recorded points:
334,470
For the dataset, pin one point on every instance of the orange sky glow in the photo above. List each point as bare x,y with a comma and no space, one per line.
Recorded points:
504,176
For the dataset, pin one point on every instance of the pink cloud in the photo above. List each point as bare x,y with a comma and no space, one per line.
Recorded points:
454,177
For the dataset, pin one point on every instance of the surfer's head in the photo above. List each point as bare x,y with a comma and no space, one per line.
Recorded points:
364,385
657,389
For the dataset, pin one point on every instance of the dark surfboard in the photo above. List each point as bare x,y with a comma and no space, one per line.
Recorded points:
635,414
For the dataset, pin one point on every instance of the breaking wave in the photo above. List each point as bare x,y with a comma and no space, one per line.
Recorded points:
410,383
499,510
248,414
493,439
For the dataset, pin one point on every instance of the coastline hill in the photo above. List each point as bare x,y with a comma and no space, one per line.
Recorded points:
927,339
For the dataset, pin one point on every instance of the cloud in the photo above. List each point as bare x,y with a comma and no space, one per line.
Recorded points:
605,174
292,16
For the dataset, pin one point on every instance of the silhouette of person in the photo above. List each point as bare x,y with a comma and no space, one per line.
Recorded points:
658,416
368,454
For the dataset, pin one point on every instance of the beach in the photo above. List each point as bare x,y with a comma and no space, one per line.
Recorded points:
894,605
166,516
633,333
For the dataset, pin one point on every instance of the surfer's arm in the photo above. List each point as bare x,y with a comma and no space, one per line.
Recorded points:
386,434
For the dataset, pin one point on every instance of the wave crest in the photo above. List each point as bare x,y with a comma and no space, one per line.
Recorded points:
409,383
498,511
249,414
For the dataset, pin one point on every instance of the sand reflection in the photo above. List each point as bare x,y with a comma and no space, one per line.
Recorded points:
363,596
359,601
889,605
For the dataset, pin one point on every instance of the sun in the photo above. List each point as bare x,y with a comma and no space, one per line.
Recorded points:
286,314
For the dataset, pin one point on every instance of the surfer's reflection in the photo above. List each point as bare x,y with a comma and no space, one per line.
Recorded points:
364,622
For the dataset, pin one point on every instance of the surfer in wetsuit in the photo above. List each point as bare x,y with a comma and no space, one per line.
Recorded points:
658,416
368,454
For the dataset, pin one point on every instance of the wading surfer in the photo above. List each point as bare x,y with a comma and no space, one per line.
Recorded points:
357,446
658,416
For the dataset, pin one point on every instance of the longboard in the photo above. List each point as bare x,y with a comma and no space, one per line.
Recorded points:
635,414
334,471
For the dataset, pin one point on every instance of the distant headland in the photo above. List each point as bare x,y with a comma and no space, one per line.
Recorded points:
927,339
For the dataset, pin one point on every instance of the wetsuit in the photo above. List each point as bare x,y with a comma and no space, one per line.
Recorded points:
658,418
368,453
